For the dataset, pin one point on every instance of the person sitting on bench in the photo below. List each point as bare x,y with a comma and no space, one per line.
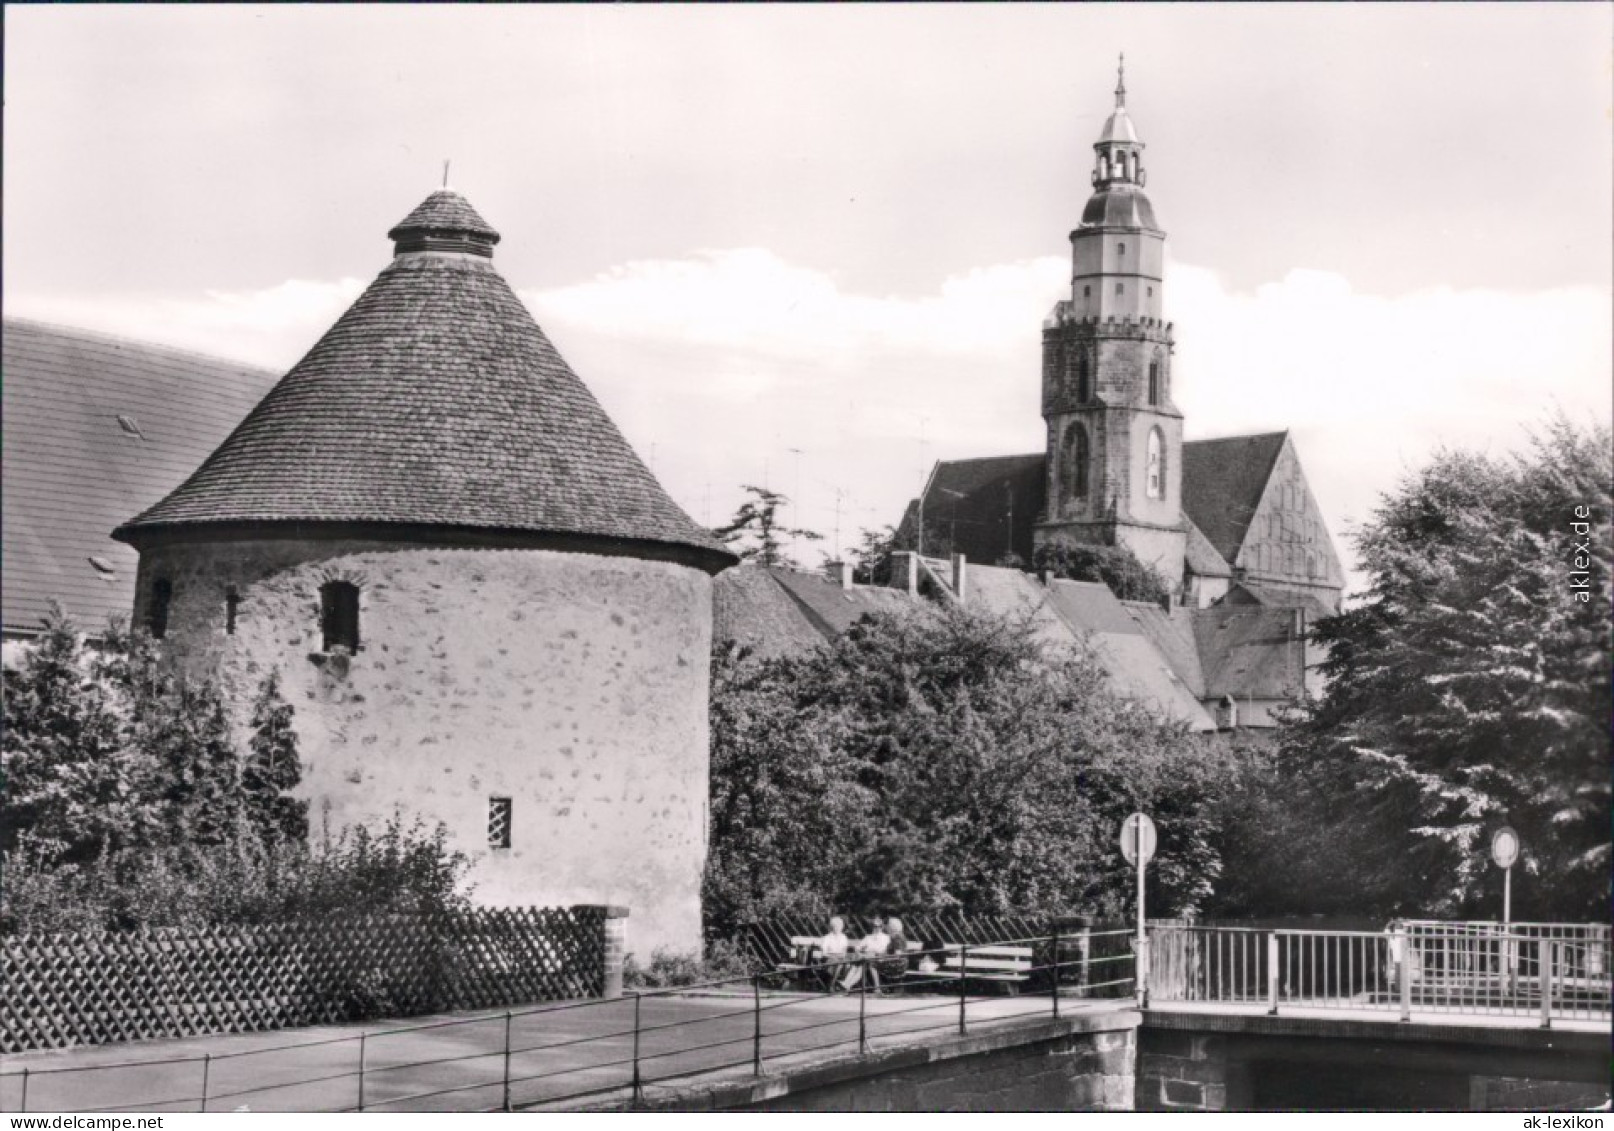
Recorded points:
876,944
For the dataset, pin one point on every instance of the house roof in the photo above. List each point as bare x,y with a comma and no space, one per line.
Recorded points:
98,427
435,401
831,607
1172,635
1203,558
751,608
1136,667
1222,484
1249,651
986,506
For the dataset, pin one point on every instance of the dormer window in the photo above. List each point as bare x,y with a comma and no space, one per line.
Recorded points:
339,615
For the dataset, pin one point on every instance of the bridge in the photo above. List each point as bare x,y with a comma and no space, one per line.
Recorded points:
1466,1016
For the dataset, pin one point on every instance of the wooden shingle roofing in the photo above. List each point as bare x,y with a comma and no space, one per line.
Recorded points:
435,401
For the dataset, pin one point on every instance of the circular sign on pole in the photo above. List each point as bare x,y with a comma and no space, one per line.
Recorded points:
1504,847
1132,829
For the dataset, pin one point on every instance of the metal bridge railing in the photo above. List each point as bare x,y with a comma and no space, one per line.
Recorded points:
513,1059
1548,971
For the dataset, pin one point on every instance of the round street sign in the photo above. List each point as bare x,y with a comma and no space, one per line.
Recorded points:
1504,847
1136,826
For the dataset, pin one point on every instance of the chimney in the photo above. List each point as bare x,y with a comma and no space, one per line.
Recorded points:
840,573
905,571
959,565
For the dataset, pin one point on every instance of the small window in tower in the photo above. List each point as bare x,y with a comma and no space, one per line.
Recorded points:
162,595
339,615
1087,292
1084,379
232,608
499,822
1154,381
1120,288
1155,468
1151,292
1120,249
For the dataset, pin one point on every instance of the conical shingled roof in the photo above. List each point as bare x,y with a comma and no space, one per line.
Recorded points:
434,401
445,211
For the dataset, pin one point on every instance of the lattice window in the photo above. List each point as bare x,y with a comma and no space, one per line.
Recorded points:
499,822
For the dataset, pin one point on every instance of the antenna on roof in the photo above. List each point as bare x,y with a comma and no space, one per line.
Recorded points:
445,172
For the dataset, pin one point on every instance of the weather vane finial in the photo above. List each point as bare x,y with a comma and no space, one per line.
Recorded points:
1120,81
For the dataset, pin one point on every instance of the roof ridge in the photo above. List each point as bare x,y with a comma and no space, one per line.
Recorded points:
90,335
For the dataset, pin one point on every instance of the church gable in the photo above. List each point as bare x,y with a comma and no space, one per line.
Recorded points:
1286,542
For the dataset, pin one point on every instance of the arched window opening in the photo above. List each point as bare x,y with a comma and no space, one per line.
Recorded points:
1155,466
162,596
339,615
1084,378
1077,458
1154,381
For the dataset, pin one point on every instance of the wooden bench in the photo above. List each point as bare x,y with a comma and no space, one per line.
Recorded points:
1008,966
822,969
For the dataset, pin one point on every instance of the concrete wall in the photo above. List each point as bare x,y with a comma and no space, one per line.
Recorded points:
1074,1064
1230,1062
573,684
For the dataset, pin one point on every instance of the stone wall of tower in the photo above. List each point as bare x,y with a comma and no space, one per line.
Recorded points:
573,684
1118,418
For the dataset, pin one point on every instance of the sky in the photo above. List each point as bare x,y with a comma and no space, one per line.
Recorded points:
812,247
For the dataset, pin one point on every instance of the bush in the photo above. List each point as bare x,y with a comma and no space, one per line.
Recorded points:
1115,566
670,969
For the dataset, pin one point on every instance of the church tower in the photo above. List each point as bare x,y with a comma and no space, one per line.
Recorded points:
1114,435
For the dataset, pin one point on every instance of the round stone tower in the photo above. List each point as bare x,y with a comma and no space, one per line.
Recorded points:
484,608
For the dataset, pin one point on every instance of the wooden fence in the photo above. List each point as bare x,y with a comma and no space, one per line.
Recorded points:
84,989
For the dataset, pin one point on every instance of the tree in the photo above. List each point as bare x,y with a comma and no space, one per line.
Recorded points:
1115,566
755,530
1472,687
872,557
273,769
942,757
72,771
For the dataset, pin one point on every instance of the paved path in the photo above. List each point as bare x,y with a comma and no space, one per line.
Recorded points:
573,1052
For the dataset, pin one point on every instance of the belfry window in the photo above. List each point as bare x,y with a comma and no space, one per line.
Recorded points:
1155,466
1077,457
1120,249
339,615
1084,379
1154,381
162,595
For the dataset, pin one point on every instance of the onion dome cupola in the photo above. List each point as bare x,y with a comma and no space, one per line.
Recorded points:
1118,173
434,408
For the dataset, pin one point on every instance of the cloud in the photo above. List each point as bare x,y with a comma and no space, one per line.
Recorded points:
737,366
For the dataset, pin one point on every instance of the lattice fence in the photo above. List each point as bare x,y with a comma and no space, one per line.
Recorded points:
63,990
